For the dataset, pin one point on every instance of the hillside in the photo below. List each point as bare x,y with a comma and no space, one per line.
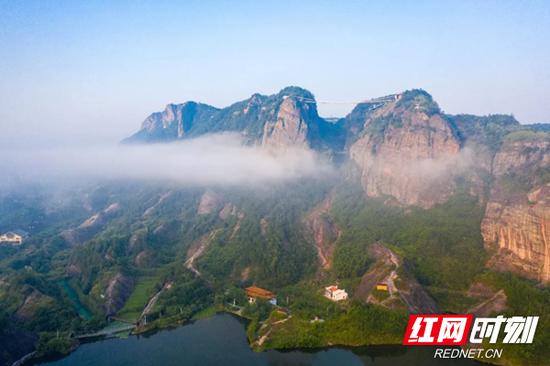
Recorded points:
452,210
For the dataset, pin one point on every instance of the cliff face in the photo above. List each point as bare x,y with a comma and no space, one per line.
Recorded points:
288,118
90,226
175,122
117,292
289,128
407,150
517,218
323,230
208,203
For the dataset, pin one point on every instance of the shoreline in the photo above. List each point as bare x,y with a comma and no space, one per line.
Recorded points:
30,360
151,331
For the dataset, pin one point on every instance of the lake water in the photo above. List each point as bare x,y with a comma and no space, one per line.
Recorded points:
75,301
221,340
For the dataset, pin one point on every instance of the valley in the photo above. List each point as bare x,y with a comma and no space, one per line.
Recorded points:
448,213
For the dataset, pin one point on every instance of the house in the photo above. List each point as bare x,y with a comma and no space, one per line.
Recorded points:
254,293
382,287
335,294
15,237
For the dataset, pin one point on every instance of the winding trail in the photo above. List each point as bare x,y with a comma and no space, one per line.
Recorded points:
192,255
153,300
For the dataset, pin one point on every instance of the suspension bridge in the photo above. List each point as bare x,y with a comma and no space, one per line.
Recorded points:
379,100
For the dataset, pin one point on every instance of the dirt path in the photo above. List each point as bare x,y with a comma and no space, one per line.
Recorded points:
383,269
282,321
324,231
393,275
263,338
494,304
196,251
412,294
189,263
161,199
152,301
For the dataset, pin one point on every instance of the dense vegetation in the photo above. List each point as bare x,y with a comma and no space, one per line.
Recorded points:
519,290
442,245
357,324
56,290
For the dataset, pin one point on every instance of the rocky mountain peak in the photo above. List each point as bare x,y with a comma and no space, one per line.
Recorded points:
255,100
296,91
517,216
405,148
289,127
174,122
288,118
417,100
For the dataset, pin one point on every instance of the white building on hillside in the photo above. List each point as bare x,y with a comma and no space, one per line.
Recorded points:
13,237
335,294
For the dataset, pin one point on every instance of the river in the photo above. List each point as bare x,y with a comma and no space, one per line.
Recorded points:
221,340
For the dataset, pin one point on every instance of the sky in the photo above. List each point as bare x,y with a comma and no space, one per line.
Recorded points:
88,71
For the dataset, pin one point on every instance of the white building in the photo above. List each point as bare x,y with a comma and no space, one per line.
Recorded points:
335,294
11,238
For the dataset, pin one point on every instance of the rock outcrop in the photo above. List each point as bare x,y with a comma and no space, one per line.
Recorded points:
209,202
117,292
91,226
403,288
517,217
141,258
407,150
288,118
175,122
230,210
288,128
323,230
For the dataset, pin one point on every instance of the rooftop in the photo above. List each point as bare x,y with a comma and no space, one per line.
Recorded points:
254,291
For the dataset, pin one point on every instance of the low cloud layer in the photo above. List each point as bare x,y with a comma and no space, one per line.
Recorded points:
210,160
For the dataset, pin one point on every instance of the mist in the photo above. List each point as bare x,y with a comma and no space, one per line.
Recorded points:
219,159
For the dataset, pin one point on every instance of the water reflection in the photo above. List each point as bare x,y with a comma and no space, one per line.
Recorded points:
221,340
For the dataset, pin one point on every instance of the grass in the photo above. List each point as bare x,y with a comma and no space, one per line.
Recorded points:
380,295
525,135
144,290
277,315
524,298
453,301
208,312
358,325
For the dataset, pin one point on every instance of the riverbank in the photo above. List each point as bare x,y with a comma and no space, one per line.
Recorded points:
258,345
221,340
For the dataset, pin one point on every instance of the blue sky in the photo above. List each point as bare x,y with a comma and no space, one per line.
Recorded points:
94,70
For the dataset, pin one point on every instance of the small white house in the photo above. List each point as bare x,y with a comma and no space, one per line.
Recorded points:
14,237
11,238
335,294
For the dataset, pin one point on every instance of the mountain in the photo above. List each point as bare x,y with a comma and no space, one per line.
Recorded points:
287,118
407,151
175,122
517,218
450,211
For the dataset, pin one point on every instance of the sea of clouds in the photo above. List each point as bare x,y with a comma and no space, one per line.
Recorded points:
219,159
